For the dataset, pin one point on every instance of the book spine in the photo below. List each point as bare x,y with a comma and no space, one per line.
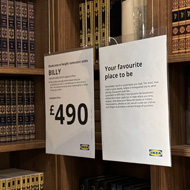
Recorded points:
26,111
13,183
175,28
90,25
18,33
11,34
32,182
2,111
23,182
82,24
31,47
104,22
19,183
182,27
37,181
13,110
8,184
28,182
187,26
8,110
41,181
96,30
20,109
25,35
3,184
4,32
32,110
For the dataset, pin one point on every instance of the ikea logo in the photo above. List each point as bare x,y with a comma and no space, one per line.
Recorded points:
84,147
155,153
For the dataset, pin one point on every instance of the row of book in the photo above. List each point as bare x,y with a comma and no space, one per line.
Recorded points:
17,34
95,23
12,179
180,26
114,182
17,121
102,22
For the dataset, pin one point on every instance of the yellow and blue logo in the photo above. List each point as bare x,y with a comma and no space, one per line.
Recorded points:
84,147
155,153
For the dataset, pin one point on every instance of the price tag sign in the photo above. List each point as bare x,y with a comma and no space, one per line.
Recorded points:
134,102
69,93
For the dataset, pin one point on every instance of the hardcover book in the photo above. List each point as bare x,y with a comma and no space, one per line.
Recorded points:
31,35
25,35
20,109
2,111
13,110
8,110
11,34
90,15
82,24
4,33
18,32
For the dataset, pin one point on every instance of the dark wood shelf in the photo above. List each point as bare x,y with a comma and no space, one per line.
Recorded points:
22,145
177,58
21,71
181,150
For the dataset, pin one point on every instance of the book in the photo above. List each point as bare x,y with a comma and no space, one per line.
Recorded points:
31,110
4,33
90,25
26,111
86,182
97,21
104,22
24,50
11,34
18,32
95,184
82,15
175,28
187,27
2,111
20,109
8,110
13,110
182,27
2,183
31,44
106,184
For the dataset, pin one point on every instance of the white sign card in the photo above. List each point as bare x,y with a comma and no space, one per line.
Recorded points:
134,102
69,94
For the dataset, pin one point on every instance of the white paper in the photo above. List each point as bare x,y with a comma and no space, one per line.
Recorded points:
69,81
134,102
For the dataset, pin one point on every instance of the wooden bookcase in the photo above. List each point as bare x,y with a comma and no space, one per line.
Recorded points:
64,172
31,154
65,28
